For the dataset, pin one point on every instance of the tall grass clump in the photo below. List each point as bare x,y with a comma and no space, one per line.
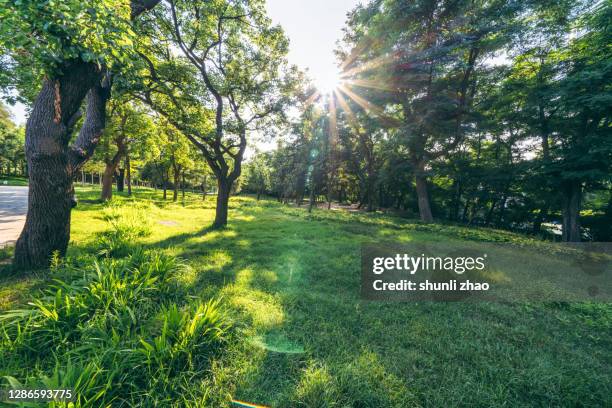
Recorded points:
128,224
115,330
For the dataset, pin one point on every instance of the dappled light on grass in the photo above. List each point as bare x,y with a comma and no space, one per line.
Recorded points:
261,309
290,281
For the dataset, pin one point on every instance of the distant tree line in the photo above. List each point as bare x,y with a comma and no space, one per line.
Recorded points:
12,154
483,113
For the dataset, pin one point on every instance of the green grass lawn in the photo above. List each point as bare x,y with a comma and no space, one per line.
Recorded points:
13,181
305,338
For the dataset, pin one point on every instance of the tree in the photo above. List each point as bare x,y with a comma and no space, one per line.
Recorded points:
129,124
426,58
583,151
243,81
257,175
12,158
73,48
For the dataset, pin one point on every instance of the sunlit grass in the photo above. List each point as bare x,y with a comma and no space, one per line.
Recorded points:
291,280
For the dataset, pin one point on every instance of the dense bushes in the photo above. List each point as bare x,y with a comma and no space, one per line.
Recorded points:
116,328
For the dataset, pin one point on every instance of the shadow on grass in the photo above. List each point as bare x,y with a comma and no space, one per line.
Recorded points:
293,280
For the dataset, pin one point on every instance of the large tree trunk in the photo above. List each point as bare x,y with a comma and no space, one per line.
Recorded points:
47,227
223,194
572,200
52,162
422,192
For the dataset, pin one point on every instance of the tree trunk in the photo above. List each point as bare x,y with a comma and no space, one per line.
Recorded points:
47,227
311,202
204,188
52,162
458,190
121,180
223,194
177,180
110,170
572,198
370,197
107,182
183,186
502,210
128,171
422,193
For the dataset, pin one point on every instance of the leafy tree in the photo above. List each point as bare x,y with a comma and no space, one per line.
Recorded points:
238,80
72,48
583,147
12,158
129,124
257,175
426,56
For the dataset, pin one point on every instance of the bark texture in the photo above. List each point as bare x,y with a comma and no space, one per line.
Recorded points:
110,170
223,195
422,193
52,161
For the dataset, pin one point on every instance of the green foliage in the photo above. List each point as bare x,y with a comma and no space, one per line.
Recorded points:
12,145
257,174
48,33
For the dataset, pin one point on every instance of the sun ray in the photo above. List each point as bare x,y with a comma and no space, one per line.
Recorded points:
361,101
333,120
312,98
368,106
375,63
346,108
364,83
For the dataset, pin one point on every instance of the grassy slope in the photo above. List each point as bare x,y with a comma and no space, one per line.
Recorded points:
293,281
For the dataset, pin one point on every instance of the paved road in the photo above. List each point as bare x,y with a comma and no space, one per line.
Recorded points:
13,208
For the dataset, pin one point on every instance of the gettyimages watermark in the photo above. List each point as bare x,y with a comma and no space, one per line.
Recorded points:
472,271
